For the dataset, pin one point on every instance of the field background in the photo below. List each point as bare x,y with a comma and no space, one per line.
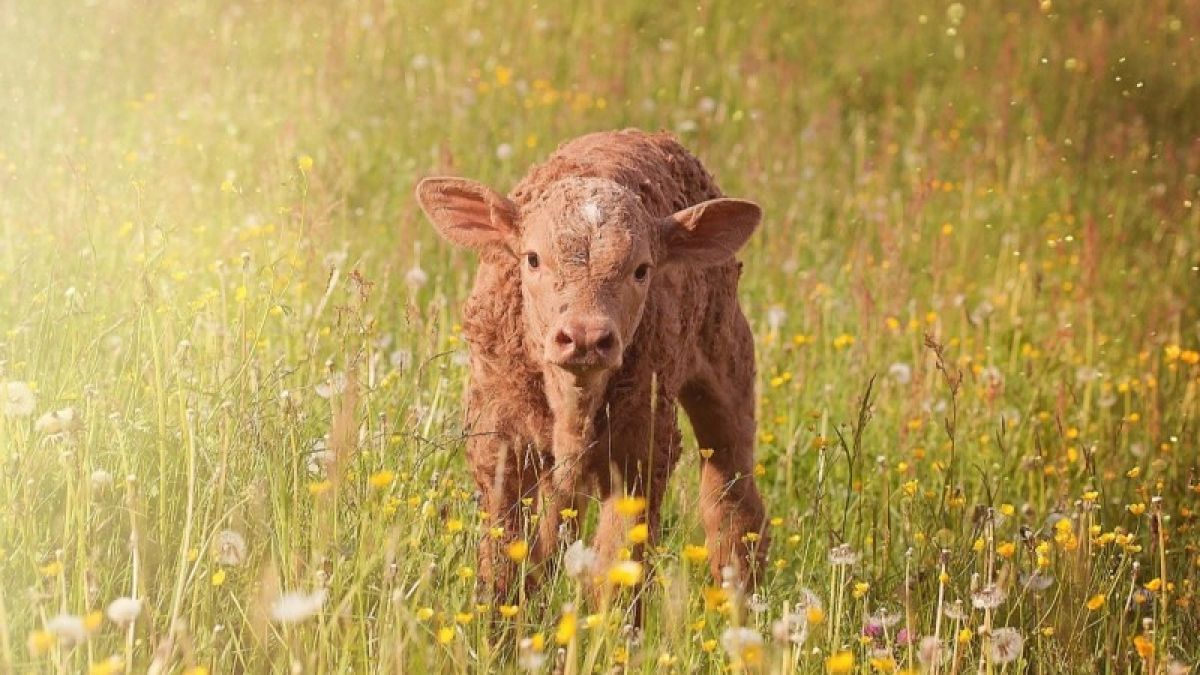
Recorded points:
207,222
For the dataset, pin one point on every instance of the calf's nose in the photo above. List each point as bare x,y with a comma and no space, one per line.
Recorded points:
591,341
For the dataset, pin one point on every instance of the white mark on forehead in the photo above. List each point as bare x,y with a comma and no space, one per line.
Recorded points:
591,213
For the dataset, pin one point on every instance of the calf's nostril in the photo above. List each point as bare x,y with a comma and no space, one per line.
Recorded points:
562,339
606,342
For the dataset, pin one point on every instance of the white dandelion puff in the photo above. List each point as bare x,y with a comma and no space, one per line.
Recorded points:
416,277
69,628
296,606
579,559
990,596
335,385
1006,645
124,610
843,556
900,372
230,548
16,399
743,644
57,422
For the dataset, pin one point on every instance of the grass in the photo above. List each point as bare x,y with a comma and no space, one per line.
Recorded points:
975,300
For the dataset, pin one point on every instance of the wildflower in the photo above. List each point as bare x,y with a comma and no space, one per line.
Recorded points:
424,613
445,635
843,556
990,596
1036,581
744,645
39,642
416,277
517,550
954,611
16,399
334,385
504,151
304,163
530,654
843,341
1006,645
124,611
695,554
860,589
57,422
381,479
110,666
509,611
630,506
639,533
67,628
883,663
579,559
931,651
218,577
101,480
964,636
567,626
1096,602
840,662
230,548
776,315
625,573
1006,550
296,606
900,372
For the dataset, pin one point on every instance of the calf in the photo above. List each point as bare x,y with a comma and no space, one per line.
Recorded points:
606,293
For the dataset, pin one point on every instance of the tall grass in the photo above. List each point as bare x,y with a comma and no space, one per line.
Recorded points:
975,299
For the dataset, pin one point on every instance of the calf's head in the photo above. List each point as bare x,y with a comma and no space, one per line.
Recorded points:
589,253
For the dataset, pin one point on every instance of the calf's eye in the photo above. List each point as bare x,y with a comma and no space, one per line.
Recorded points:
642,272
532,260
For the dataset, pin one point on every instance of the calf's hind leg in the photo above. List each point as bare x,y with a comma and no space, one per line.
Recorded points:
719,401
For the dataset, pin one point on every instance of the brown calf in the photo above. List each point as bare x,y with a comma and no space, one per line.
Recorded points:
606,293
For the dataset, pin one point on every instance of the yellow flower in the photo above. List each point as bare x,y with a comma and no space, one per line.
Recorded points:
695,554
630,506
454,525
1144,647
39,642
1154,584
466,573
92,620
445,635
381,479
195,670
715,597
425,613
463,618
1006,550
860,589
305,163
841,662
815,615
218,577
1136,509
625,573
964,636
509,611
883,664
843,341
110,666
319,488
1096,602
51,569
639,533
568,514
517,550
566,628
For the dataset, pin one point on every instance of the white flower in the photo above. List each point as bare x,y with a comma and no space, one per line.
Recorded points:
528,656
954,611
416,277
900,372
842,556
68,628
336,384
931,651
742,644
101,480
57,422
579,560
990,596
707,105
1006,645
757,604
504,151
884,617
230,548
296,606
16,399
124,611
776,315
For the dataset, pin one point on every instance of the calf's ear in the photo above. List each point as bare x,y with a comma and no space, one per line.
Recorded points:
710,232
468,213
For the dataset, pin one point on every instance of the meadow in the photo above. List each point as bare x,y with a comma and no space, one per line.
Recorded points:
231,371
